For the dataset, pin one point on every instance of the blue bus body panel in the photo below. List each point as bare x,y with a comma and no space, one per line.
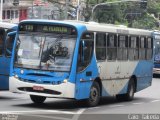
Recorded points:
82,89
4,72
4,82
144,74
40,77
84,82
5,67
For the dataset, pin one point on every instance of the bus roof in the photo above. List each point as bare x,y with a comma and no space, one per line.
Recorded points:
98,27
7,25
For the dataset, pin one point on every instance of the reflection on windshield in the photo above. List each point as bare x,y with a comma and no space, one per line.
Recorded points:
45,52
157,51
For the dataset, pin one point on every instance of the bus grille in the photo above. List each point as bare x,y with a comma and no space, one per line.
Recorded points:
34,81
46,91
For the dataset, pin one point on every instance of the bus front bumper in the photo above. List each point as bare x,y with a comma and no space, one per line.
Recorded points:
63,90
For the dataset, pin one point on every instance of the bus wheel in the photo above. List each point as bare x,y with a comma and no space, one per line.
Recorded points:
37,99
94,97
130,92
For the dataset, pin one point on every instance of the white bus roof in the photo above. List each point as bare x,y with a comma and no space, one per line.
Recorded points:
7,25
100,27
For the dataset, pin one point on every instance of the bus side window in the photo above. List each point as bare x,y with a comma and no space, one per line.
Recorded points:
133,48
112,47
142,51
85,52
122,47
101,46
9,45
149,47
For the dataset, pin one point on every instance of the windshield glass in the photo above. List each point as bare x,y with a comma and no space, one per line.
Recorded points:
46,52
157,51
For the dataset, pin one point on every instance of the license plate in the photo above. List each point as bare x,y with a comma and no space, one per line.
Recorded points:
38,88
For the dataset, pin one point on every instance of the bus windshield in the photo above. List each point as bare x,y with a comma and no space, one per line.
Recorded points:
51,52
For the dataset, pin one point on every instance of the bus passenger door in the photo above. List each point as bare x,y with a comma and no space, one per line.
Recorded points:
86,66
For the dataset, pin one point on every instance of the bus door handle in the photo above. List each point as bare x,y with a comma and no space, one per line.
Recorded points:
88,73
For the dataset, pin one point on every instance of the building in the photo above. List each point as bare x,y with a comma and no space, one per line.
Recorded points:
14,12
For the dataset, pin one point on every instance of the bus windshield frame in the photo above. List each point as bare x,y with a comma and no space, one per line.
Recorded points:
46,51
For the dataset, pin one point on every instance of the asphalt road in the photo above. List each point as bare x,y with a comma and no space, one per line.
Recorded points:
145,106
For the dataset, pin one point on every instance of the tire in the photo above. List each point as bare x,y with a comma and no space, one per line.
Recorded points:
37,99
94,97
130,92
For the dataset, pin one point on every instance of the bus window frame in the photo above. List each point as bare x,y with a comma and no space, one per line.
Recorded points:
137,46
147,48
116,47
126,46
104,47
145,37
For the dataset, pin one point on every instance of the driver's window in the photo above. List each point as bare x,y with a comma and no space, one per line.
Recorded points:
9,45
85,51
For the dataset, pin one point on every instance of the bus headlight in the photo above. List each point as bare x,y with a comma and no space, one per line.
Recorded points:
65,80
22,71
16,76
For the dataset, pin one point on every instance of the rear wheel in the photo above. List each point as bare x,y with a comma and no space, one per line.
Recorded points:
130,92
37,99
94,97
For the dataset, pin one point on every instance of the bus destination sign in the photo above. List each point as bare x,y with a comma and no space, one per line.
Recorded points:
47,29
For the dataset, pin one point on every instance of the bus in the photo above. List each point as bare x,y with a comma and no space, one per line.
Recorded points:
7,34
80,60
156,69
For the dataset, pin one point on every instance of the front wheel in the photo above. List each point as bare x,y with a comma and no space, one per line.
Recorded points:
94,97
37,99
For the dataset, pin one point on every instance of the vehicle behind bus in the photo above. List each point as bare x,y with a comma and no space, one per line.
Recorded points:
78,60
156,69
7,35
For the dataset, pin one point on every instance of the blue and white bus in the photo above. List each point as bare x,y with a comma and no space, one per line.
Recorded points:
156,69
78,60
7,36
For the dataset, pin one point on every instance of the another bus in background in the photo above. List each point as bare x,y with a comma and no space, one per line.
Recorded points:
156,69
80,60
7,36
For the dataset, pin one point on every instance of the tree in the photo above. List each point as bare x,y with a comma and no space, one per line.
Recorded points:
128,13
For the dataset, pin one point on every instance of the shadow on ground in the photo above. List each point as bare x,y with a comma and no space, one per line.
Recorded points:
70,104
6,98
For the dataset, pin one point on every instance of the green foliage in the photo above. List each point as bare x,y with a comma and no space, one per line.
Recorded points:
144,22
127,13
153,7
